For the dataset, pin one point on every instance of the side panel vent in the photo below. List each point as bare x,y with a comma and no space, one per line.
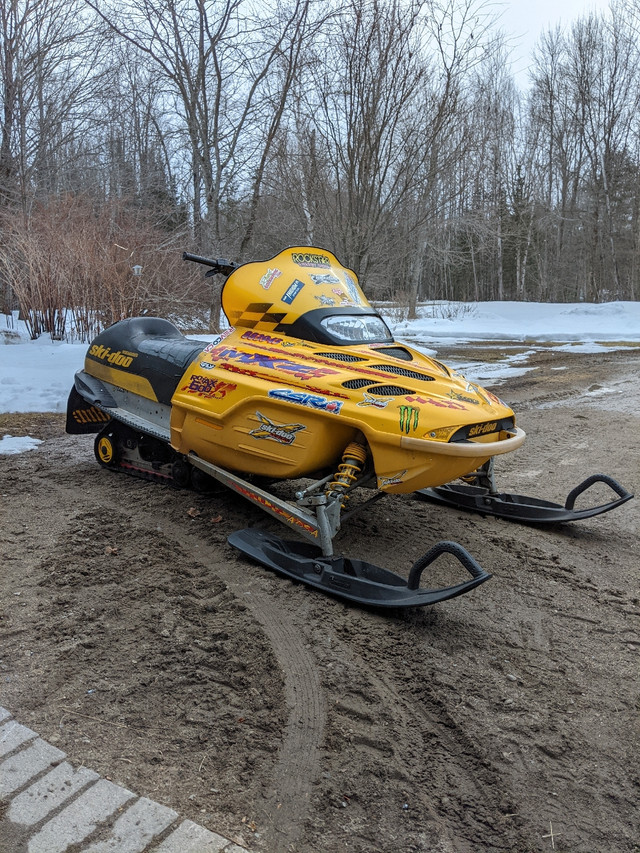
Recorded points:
396,352
354,384
402,371
339,356
389,391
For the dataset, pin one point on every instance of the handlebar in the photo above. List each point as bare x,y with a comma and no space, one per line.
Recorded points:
218,265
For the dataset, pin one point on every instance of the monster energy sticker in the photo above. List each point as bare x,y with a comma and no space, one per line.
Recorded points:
408,419
282,433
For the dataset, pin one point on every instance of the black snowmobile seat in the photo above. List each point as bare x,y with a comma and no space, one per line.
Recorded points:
150,347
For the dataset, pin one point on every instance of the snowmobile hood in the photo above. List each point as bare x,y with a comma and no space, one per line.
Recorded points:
306,293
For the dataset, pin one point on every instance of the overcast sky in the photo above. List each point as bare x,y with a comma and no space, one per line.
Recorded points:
525,20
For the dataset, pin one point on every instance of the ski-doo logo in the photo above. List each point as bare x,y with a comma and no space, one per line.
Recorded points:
269,277
292,291
121,358
483,429
307,259
204,386
408,419
312,401
282,433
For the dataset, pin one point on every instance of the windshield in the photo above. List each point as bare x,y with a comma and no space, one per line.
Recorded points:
348,328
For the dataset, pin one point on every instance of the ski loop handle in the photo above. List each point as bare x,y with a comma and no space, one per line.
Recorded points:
595,478
445,547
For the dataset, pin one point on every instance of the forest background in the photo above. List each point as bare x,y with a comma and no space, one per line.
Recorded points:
391,132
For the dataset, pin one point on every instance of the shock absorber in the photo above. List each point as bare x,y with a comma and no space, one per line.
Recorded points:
353,459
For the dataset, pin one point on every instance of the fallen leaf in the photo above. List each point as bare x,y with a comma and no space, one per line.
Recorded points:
110,550
216,519
193,512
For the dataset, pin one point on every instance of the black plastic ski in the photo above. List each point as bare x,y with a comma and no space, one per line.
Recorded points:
521,507
354,580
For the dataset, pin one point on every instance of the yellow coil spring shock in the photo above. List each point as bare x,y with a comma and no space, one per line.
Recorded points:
353,458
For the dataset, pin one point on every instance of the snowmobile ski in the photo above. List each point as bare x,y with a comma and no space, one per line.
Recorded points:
356,581
523,508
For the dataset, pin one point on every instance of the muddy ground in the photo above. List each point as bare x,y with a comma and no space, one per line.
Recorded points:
135,639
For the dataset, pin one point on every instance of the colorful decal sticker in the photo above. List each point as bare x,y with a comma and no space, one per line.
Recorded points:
483,429
271,362
292,291
309,259
256,374
353,289
282,433
261,338
206,365
204,386
324,300
376,402
121,358
214,343
325,278
312,401
274,508
442,404
269,277
408,419
494,399
394,480
477,390
455,395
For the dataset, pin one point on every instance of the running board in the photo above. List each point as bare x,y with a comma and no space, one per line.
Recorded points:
521,507
354,580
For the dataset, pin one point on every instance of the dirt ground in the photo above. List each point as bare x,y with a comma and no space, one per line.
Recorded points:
134,638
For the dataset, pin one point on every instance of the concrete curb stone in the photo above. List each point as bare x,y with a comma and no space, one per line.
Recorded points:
52,807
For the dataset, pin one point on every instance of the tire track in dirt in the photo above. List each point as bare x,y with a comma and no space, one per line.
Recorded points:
298,762
426,739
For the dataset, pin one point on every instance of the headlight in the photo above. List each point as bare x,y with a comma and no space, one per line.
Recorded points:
354,329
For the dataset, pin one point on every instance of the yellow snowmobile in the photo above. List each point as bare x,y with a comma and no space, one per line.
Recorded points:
307,384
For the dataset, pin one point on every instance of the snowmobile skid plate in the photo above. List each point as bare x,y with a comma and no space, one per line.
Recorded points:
354,580
521,507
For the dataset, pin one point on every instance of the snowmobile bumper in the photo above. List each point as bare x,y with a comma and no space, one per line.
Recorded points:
521,507
356,581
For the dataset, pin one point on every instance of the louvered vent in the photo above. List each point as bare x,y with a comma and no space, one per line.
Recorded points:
388,391
354,384
396,352
339,356
402,371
